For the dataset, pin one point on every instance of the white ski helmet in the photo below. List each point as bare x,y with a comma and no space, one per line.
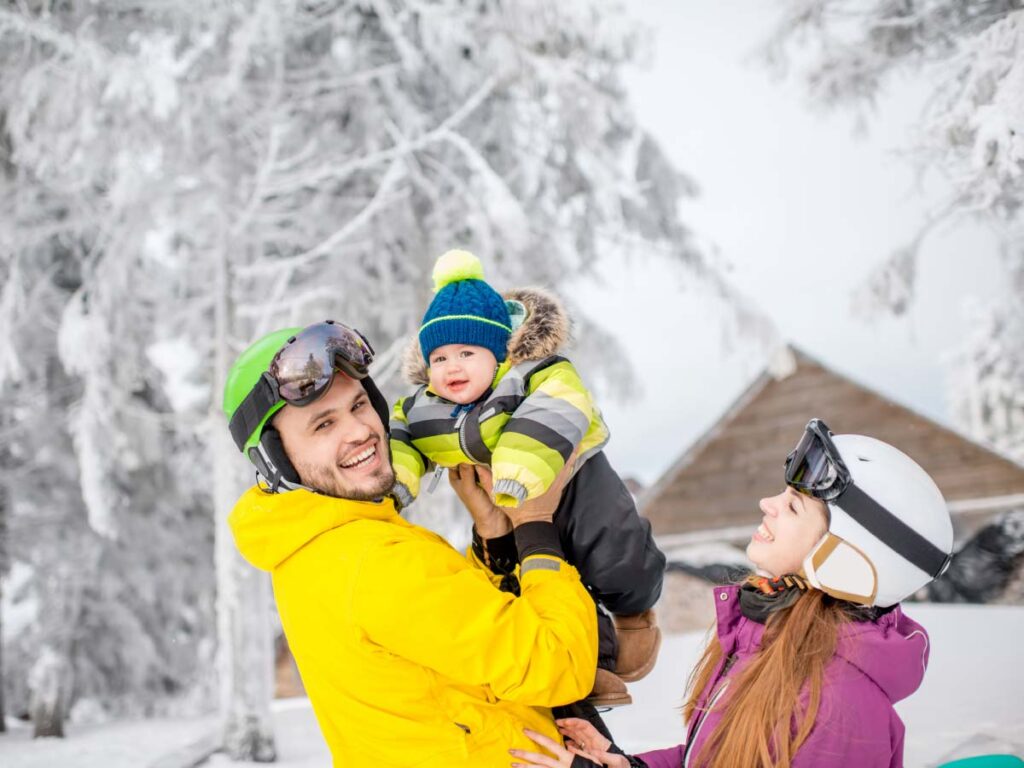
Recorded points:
889,532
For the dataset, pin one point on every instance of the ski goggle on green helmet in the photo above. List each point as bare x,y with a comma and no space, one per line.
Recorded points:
298,373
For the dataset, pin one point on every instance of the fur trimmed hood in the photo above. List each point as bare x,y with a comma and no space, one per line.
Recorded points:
545,331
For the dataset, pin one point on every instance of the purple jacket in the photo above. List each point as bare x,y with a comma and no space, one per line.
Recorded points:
876,664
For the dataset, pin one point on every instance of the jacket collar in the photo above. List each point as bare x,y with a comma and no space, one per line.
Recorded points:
271,527
736,633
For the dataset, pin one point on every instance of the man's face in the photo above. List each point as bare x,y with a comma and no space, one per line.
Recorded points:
338,444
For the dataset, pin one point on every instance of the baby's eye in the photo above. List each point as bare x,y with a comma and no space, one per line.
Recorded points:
436,360
467,353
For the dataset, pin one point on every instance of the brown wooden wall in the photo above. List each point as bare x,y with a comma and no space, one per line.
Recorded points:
743,459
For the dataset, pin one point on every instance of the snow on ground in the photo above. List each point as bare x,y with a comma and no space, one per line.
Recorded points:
132,744
969,704
299,742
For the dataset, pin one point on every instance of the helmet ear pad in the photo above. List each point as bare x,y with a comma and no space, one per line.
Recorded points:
842,570
379,403
272,462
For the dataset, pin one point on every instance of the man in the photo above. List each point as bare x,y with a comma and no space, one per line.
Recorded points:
409,652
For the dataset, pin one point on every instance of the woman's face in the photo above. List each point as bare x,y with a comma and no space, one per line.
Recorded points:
792,525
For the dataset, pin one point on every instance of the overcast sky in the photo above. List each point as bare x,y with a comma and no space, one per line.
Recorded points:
800,208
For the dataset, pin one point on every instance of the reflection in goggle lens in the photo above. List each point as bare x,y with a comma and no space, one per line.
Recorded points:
304,367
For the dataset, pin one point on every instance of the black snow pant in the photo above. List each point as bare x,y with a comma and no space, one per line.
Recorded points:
611,546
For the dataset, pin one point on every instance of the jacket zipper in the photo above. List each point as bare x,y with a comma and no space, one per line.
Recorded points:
707,710
460,427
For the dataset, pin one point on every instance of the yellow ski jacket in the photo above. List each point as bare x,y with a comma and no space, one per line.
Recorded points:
410,654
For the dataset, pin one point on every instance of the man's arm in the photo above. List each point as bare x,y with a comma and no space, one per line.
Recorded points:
424,602
494,544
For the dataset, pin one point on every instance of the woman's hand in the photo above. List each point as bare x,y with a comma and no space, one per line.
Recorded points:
584,735
472,484
563,755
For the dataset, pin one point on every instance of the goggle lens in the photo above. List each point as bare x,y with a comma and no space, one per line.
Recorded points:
813,468
305,366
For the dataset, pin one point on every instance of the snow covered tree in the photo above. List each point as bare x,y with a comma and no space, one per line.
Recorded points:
5,567
972,132
44,510
212,171
988,378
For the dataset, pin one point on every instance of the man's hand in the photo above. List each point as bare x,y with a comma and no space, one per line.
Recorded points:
542,508
472,484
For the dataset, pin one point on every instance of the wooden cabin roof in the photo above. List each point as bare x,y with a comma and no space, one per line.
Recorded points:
740,459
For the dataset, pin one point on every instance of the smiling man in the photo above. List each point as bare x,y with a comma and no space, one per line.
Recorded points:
409,651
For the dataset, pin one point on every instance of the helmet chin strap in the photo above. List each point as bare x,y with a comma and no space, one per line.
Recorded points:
282,485
273,466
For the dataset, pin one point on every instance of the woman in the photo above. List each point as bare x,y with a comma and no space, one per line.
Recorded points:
813,650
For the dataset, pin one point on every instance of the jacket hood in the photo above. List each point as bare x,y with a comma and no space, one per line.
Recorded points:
271,527
544,332
892,651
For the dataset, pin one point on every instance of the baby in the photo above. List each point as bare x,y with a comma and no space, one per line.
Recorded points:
492,390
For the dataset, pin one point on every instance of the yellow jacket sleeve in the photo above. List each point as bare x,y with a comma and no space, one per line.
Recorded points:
428,604
541,435
476,562
408,462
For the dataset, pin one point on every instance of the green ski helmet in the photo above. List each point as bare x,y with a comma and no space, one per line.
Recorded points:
264,378
247,370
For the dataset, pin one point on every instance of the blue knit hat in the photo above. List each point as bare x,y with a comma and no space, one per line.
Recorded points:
465,309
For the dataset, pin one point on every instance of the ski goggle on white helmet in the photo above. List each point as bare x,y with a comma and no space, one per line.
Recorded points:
890,532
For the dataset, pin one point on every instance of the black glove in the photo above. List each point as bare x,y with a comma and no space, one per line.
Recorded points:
634,761
499,554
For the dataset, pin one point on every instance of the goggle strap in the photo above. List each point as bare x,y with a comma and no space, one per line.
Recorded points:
252,409
897,535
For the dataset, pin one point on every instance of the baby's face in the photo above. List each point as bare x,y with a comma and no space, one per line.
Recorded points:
461,372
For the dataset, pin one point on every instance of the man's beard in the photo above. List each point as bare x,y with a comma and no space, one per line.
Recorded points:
326,481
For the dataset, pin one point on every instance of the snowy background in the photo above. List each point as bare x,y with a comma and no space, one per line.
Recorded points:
701,181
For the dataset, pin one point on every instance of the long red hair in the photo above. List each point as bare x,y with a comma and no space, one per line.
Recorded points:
763,723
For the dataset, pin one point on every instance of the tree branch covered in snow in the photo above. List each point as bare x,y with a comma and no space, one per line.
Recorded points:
987,378
971,131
